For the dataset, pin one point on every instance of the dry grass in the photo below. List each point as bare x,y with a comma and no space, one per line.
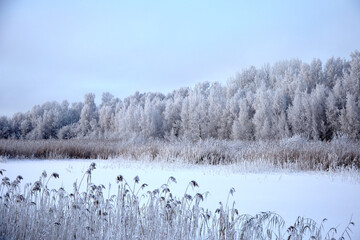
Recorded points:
295,152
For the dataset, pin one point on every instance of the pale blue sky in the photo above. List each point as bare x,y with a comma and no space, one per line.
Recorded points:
56,50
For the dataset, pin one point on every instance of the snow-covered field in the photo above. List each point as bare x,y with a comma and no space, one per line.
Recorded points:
316,195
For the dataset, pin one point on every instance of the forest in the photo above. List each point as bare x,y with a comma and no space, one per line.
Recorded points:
290,98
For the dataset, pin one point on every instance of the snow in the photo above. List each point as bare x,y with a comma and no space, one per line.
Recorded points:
316,195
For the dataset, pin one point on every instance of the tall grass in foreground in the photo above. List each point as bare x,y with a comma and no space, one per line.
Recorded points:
38,212
295,152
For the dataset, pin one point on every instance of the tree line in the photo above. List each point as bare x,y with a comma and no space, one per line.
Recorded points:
316,101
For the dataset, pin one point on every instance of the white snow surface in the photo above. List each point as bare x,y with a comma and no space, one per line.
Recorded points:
317,195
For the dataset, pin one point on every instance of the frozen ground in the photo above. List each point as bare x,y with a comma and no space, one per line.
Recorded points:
317,195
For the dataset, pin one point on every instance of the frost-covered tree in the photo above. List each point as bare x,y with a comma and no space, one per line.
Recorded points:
264,119
350,118
26,126
245,80
107,115
71,117
318,112
340,93
232,109
216,107
280,104
316,72
151,119
305,83
4,128
299,115
333,70
172,113
243,128
15,125
351,80
332,113
129,116
46,120
89,116
195,114
287,75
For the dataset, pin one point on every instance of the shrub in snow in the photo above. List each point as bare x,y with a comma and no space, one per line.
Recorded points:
38,212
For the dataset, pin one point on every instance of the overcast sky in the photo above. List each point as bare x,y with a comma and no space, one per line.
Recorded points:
57,50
